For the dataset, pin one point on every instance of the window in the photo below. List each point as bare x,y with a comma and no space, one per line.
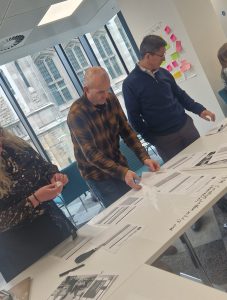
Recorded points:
77,58
44,91
40,84
122,41
51,75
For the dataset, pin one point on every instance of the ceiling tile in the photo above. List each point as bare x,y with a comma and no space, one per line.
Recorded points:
3,7
23,6
17,23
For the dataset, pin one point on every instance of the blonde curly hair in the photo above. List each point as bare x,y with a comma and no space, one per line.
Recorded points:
11,140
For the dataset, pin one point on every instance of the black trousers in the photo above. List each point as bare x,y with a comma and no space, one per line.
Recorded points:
169,145
21,246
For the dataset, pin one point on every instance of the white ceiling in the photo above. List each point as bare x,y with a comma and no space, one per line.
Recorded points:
22,16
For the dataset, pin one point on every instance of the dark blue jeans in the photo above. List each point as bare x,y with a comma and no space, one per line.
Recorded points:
108,190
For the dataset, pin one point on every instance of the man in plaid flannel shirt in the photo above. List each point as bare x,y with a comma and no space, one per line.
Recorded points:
96,122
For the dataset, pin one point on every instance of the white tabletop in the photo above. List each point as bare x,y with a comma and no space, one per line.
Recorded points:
149,283
162,219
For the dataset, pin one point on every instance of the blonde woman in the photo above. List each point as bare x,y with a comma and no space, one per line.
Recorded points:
30,224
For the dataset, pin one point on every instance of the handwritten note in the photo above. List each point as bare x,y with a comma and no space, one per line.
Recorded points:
211,189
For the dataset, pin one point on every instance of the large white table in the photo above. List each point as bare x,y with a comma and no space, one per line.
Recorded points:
156,214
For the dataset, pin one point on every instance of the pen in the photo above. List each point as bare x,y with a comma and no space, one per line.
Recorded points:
71,270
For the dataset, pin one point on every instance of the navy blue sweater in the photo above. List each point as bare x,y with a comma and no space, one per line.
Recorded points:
155,106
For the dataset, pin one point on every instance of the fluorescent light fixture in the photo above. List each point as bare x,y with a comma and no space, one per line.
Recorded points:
59,11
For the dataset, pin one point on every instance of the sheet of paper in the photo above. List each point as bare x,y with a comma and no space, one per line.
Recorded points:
83,287
176,182
200,200
220,155
116,215
121,237
220,127
198,161
119,213
115,237
68,248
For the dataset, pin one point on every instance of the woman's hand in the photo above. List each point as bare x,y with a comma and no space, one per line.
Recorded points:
45,193
59,177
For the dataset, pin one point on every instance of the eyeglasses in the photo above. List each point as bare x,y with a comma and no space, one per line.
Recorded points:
157,54
160,55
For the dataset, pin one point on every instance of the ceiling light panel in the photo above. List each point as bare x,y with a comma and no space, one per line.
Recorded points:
59,11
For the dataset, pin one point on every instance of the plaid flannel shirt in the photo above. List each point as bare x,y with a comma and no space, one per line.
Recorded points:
95,133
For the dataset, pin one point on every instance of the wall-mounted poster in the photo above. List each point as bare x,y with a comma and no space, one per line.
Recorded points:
175,59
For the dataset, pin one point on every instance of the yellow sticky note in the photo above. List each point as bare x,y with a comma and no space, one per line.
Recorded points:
175,55
167,46
177,74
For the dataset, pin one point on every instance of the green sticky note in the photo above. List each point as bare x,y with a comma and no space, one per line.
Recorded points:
175,55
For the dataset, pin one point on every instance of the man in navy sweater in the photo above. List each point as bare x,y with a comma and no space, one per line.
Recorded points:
156,104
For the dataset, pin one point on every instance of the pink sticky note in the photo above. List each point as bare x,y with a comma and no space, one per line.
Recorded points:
169,68
185,67
175,63
178,46
173,37
167,29
183,62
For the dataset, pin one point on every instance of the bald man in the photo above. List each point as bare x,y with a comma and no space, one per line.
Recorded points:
96,122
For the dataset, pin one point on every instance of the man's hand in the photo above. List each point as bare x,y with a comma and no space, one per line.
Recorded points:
59,177
131,178
152,164
207,115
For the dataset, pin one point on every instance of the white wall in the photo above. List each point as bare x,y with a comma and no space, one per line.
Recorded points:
219,6
140,16
206,35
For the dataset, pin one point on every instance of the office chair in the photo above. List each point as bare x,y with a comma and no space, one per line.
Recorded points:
133,162
76,186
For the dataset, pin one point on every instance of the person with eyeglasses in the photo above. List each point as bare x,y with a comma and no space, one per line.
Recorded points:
30,222
156,104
